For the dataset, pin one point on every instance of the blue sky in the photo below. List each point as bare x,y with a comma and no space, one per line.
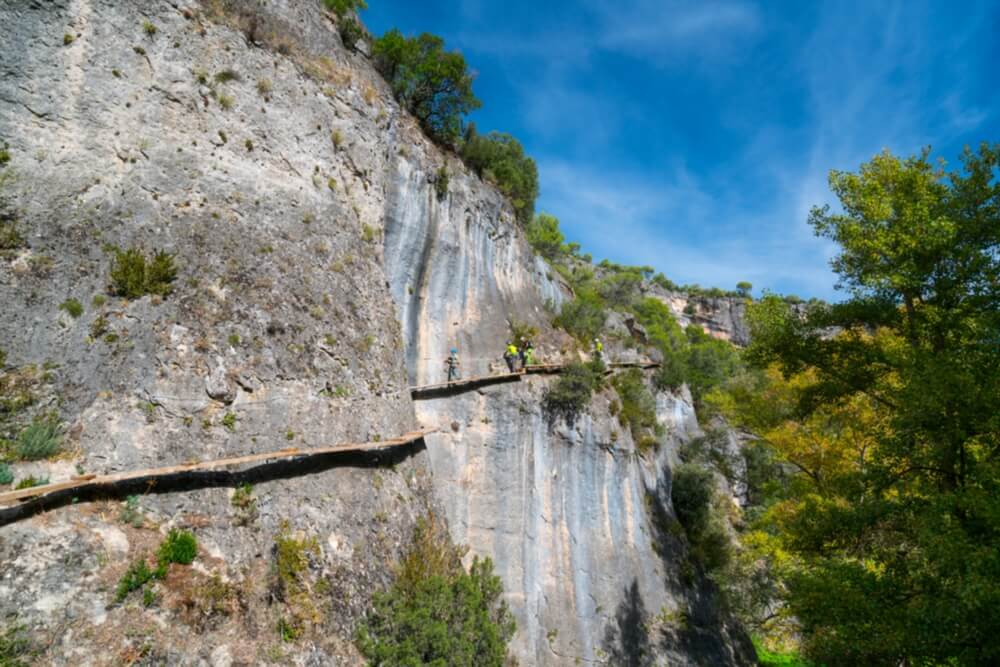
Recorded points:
694,136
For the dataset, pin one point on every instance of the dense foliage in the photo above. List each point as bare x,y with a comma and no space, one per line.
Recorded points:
433,84
570,394
885,541
500,159
436,613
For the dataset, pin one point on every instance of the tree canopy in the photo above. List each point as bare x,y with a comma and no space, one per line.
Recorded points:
435,85
500,159
887,407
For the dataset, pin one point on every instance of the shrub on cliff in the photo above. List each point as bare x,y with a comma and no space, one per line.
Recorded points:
570,394
638,408
544,236
436,613
500,159
133,275
583,317
341,7
433,84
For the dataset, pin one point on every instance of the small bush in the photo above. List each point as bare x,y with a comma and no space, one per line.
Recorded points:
583,317
692,493
10,238
133,275
264,87
545,237
245,504
226,101
68,39
441,183
227,75
437,613
570,394
135,577
131,513
41,440
500,159
73,307
180,546
367,233
6,475
350,32
341,7
638,407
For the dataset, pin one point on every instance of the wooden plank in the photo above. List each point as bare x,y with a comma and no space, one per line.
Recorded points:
100,480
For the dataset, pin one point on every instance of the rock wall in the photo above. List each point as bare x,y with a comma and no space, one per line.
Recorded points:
320,274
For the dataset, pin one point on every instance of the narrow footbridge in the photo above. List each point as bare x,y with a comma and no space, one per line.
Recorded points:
289,462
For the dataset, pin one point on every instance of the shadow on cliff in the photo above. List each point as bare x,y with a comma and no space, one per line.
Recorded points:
706,630
626,639
194,480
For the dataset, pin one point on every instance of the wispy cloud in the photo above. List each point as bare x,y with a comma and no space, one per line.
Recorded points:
657,29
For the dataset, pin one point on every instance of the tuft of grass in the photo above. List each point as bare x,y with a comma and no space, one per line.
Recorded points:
41,440
4,156
68,39
6,475
131,513
148,28
135,577
337,138
133,275
229,421
245,504
227,75
73,307
226,101
264,87
31,481
98,300
180,546
249,145
234,340
14,646
367,233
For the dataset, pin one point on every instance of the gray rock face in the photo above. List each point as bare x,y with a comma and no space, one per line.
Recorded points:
569,516
319,275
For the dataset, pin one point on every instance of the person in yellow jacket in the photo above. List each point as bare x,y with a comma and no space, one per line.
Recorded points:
598,349
510,356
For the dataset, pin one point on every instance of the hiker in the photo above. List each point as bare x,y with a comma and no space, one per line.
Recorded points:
528,354
510,356
598,349
523,351
451,364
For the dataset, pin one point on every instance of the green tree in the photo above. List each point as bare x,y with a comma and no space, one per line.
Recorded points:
342,7
544,236
433,84
744,288
896,551
436,613
500,158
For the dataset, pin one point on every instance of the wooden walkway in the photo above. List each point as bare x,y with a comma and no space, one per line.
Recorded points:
441,389
151,475
13,503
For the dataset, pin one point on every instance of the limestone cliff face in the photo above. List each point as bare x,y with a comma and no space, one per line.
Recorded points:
320,275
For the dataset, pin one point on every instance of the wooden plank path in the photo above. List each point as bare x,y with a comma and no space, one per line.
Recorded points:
93,483
90,482
440,389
